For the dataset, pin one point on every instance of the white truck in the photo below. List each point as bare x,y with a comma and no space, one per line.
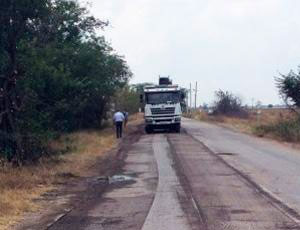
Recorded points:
162,106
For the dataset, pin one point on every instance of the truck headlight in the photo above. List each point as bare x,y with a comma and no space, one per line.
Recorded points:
148,119
177,118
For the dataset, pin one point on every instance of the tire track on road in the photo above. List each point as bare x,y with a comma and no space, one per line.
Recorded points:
226,197
276,201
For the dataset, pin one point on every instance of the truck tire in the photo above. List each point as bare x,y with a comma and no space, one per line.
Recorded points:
177,128
148,129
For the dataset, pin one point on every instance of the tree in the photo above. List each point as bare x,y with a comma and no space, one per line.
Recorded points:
289,88
205,106
258,104
127,99
56,74
228,104
183,96
16,19
140,86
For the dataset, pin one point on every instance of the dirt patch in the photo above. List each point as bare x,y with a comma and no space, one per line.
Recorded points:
70,187
21,188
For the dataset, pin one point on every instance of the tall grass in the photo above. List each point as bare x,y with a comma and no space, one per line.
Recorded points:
280,124
286,130
20,186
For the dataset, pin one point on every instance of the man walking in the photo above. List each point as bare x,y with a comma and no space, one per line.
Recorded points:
126,118
118,121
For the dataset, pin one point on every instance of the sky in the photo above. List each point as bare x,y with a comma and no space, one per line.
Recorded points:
234,45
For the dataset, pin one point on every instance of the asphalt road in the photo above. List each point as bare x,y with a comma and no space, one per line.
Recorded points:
273,166
207,178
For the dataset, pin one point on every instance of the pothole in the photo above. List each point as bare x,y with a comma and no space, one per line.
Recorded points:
240,211
226,154
102,179
119,179
224,174
113,179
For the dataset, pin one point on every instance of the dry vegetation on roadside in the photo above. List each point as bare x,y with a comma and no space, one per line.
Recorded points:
279,124
20,186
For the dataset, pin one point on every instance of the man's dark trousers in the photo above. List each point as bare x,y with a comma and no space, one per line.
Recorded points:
119,125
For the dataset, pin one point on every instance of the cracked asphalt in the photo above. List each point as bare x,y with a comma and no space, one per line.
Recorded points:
207,178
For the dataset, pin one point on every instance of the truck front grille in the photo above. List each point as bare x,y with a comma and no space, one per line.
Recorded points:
162,111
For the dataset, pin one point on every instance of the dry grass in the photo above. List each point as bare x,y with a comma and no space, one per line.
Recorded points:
20,186
267,117
85,147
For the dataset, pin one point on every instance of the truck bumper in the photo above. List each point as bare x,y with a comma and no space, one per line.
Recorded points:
162,121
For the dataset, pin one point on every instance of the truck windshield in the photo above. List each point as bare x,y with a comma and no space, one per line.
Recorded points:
162,97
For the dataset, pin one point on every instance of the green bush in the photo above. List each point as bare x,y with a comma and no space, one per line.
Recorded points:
284,130
228,104
56,74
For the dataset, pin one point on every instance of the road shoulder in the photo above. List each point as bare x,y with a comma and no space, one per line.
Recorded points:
59,202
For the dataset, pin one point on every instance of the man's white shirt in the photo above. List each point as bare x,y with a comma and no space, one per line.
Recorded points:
118,116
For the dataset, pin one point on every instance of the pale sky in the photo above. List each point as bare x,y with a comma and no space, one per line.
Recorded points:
235,45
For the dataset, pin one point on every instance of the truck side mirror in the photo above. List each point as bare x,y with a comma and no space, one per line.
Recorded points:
141,98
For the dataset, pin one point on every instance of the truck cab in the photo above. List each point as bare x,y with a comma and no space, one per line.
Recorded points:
162,106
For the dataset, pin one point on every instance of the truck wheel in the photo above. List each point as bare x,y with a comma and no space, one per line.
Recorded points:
177,128
148,129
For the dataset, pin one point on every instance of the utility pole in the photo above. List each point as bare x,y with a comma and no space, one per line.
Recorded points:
187,100
196,91
191,95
